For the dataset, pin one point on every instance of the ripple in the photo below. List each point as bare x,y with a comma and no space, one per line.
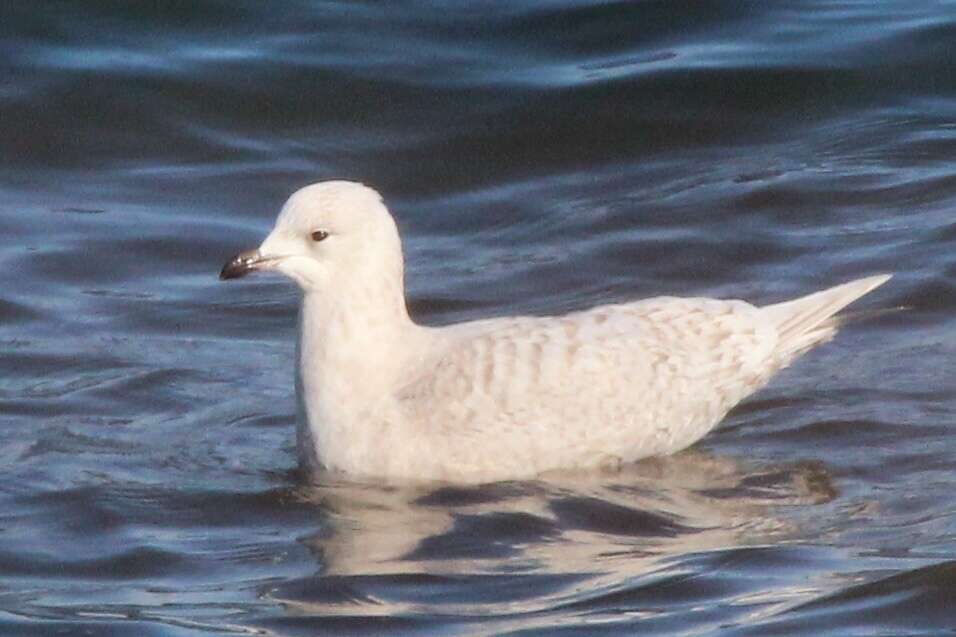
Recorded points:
918,595
541,157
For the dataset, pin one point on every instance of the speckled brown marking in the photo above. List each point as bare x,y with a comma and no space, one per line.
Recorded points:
570,329
536,359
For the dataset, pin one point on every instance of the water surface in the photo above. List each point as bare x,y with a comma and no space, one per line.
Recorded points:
539,157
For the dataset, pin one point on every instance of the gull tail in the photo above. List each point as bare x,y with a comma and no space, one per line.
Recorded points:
808,321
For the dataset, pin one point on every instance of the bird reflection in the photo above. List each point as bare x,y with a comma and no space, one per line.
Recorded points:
604,528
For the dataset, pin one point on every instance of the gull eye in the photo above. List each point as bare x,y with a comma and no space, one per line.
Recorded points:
319,235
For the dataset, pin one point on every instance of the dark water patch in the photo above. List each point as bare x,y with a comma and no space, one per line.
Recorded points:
130,565
603,517
65,382
11,312
845,431
423,588
215,508
469,535
32,409
760,175
74,210
346,625
62,440
652,596
914,599
104,260
100,509
457,496
29,624
264,310
934,294
325,590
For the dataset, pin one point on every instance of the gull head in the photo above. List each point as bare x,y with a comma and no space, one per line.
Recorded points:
327,234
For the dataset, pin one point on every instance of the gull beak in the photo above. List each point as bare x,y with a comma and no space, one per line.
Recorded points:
242,264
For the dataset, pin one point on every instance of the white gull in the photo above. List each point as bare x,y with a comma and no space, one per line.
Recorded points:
509,397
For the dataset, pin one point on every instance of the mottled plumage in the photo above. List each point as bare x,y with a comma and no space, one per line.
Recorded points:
506,397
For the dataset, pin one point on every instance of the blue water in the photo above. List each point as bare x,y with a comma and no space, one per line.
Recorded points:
539,157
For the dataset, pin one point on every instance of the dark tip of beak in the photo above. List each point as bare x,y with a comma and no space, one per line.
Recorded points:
240,265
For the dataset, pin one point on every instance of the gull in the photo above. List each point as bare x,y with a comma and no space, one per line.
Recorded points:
510,397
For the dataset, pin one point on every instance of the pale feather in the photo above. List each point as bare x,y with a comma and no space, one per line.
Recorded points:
519,396
507,397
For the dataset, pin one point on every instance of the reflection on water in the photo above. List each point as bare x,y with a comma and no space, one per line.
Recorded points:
507,551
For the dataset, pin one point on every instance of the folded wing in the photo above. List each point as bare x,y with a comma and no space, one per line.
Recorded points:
613,383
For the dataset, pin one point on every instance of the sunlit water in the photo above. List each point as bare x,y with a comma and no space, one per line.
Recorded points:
540,157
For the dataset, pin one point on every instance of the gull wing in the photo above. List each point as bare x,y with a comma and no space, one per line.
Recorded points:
643,378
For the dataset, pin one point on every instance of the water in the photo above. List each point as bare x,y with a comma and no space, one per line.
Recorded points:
540,157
